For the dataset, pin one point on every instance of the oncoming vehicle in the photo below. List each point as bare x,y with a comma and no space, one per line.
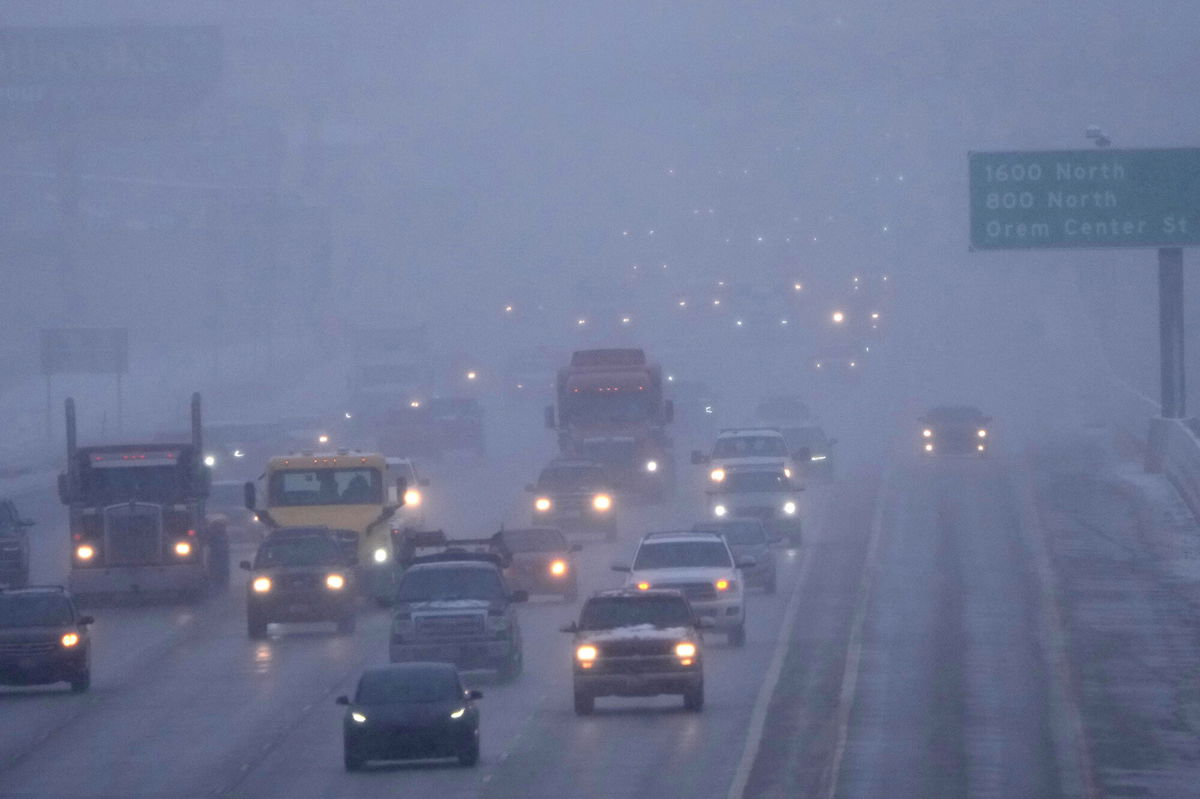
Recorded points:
342,490
574,495
758,446
766,494
631,642
410,711
955,430
14,546
302,574
456,607
43,639
412,514
541,561
702,568
747,538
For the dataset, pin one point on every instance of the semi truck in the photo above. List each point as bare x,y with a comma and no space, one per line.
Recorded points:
610,409
137,516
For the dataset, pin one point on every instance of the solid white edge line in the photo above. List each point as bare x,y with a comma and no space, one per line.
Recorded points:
854,646
758,718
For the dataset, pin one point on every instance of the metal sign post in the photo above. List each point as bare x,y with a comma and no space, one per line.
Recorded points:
1170,329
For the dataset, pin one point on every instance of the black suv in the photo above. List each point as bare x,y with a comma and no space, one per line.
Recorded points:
43,639
632,642
574,495
302,574
14,546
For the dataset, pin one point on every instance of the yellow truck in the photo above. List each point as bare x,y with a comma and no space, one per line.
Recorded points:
341,490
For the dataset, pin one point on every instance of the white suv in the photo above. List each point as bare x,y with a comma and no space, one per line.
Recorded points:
753,446
700,566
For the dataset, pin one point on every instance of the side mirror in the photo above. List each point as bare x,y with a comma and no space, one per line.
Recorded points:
250,495
746,563
549,414
342,700
575,548
570,627
84,621
473,694
518,596
698,457
669,411
620,567
245,564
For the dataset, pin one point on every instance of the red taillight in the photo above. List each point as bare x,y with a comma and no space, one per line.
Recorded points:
191,532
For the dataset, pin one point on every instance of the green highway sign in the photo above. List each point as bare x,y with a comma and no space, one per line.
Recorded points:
1085,198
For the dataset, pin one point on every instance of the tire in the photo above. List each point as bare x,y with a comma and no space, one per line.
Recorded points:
585,703
256,628
346,624
469,756
82,682
693,700
351,759
737,636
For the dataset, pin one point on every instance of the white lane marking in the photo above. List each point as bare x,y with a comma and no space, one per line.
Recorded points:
854,647
1066,721
758,718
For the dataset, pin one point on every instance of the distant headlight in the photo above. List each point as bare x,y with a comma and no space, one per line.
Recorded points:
85,552
720,510
412,497
652,466
380,555
982,433
927,433
981,448
543,504
789,508
183,549
210,460
586,653
558,568
929,447
787,472
335,581
717,475
358,718
261,585
685,649
70,639
818,457
237,453
458,714
322,439
602,502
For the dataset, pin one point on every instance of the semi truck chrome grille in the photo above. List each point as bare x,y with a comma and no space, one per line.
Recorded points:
133,535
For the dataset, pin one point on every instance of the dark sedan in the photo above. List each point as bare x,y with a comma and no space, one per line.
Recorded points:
410,711
43,639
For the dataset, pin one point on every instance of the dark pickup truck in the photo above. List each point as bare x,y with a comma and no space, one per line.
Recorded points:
14,546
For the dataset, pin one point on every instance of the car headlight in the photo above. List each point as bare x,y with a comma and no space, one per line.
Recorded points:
929,447
542,504
720,510
602,502
210,460
643,586
558,568
261,585
586,653
685,649
981,448
335,582
458,714
716,475
724,585
85,552
787,472
70,639
789,508
982,433
358,718
183,549
927,433
380,555
818,457
412,498
652,466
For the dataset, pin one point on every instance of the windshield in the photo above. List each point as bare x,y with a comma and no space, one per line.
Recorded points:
744,482
750,447
682,555
567,478
606,613
294,487
593,407
737,533
300,551
120,483
534,541
395,686
439,584
34,610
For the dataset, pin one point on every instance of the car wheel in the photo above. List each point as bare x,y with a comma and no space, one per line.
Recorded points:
346,624
693,700
469,756
82,682
256,628
585,703
737,636
351,759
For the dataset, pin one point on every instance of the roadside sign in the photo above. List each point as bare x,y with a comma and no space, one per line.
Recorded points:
1084,198
85,350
